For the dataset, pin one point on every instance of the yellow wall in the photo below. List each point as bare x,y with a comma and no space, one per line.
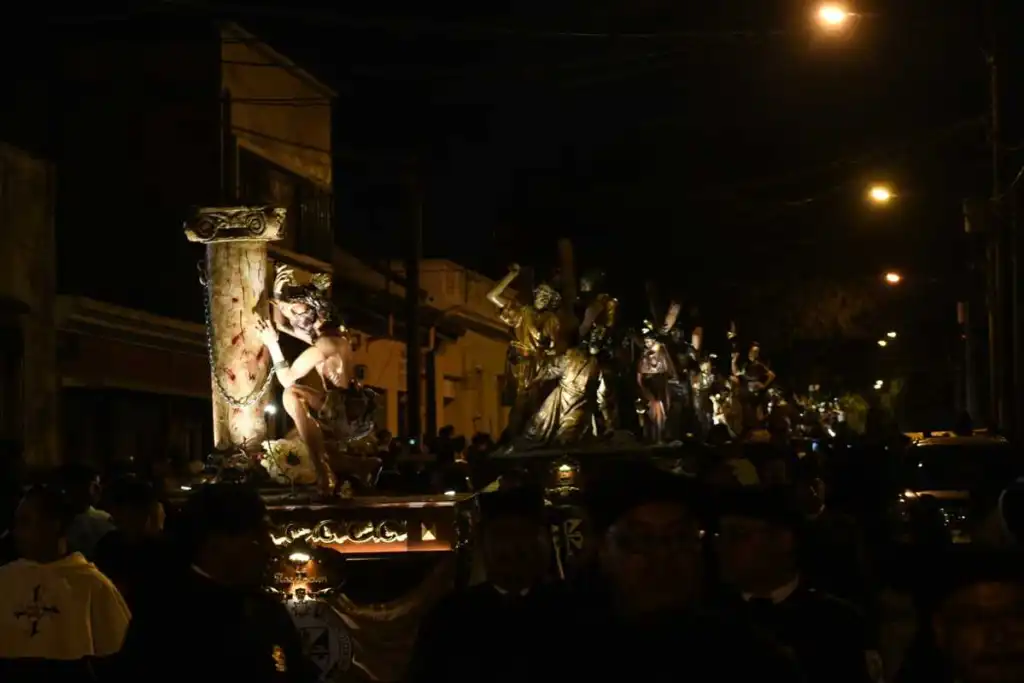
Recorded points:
288,111
471,369
469,373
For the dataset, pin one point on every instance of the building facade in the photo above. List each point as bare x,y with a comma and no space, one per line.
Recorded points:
470,387
144,120
141,121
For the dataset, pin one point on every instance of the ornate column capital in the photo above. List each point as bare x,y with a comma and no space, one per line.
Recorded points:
217,224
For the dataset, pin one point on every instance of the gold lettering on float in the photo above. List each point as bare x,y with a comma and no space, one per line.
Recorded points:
291,534
341,533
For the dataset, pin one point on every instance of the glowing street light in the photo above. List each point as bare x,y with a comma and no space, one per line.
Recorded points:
880,194
879,384
832,16
891,335
893,278
883,343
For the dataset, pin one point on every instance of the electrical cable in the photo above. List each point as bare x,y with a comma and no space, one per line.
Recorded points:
463,30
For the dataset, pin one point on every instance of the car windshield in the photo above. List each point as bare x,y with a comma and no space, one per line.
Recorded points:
959,468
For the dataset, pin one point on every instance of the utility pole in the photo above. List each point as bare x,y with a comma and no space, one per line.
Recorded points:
413,343
1003,356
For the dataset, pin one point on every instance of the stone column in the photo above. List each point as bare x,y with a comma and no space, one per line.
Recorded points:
235,278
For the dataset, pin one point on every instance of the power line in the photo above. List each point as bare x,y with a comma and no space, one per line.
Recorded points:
466,30
929,137
283,141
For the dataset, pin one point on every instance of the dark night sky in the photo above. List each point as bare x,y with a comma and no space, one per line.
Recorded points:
724,145
695,152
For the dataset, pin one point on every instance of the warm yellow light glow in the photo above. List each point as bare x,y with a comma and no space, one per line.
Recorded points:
565,468
832,15
893,278
450,494
299,558
880,194
891,335
883,343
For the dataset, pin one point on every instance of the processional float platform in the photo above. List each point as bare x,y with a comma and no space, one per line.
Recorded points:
373,525
422,544
563,472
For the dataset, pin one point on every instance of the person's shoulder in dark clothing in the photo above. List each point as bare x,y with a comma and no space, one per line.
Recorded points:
251,630
696,645
829,609
109,552
752,653
51,670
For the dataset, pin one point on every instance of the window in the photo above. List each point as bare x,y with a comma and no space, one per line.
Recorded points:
308,226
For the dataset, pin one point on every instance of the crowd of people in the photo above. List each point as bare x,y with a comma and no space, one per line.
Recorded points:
751,566
94,595
706,579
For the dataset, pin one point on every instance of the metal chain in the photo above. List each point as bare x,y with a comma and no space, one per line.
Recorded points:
257,393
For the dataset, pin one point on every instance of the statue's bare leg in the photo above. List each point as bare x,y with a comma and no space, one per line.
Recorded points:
298,402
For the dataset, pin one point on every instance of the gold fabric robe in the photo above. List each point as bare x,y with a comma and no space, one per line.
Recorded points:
533,339
568,413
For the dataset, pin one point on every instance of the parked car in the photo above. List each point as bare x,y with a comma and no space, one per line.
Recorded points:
943,481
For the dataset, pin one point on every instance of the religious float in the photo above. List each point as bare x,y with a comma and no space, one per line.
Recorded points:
358,569
356,572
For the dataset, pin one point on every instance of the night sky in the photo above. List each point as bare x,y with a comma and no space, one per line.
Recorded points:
719,149
736,133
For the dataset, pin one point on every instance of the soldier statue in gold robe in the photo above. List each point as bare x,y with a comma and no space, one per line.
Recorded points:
535,337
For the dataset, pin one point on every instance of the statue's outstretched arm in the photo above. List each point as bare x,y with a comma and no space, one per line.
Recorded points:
495,295
670,318
303,365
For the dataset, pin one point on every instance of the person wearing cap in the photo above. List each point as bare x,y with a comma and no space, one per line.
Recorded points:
642,618
214,622
757,551
496,630
971,626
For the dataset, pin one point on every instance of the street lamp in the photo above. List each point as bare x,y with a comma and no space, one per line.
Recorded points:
879,384
832,16
880,194
891,335
893,278
883,343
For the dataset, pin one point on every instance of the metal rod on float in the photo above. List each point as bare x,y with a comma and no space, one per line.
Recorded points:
413,348
567,268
